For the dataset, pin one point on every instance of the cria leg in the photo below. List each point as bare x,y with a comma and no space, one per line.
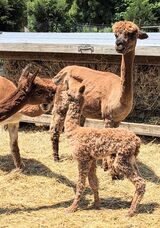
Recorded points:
125,166
110,161
56,127
139,184
57,122
13,134
83,168
93,182
109,124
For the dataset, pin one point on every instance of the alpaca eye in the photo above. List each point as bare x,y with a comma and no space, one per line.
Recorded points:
131,35
69,95
39,93
116,35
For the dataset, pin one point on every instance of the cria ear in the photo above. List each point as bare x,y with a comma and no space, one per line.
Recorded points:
82,89
142,35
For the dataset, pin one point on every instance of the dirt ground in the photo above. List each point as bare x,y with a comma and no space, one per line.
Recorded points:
37,198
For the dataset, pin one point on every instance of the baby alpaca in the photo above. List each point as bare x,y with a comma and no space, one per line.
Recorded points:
91,144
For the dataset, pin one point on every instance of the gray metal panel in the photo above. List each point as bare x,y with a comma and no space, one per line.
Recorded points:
98,43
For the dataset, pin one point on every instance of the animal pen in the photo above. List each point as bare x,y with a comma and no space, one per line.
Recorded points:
53,51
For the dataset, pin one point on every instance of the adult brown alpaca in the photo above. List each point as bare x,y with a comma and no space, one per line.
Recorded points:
14,104
107,96
91,144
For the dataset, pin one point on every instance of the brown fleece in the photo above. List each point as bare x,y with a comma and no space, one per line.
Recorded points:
107,96
91,144
25,99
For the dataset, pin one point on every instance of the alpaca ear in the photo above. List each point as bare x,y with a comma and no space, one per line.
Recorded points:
66,85
26,73
142,35
82,89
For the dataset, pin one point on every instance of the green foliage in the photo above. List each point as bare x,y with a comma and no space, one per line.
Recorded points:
119,9
48,15
4,10
156,11
92,12
12,15
90,28
75,15
139,11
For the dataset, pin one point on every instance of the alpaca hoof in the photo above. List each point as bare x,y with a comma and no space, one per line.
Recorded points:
96,206
130,213
19,169
117,177
70,209
56,159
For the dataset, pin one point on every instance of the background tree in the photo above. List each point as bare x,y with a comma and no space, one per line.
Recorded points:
48,15
156,11
139,11
75,15
12,15
92,12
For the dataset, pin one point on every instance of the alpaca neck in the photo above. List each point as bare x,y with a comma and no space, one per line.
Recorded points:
72,121
127,77
13,103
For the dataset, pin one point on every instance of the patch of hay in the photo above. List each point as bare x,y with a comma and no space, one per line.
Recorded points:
38,196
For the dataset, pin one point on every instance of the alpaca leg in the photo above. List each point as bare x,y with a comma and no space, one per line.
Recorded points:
109,124
56,129
13,133
58,117
110,162
83,168
124,165
82,121
93,182
139,184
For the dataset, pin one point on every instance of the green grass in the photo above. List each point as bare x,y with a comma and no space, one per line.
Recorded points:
37,198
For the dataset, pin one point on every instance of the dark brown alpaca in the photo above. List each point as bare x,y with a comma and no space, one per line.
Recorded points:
16,100
31,90
14,104
107,96
91,144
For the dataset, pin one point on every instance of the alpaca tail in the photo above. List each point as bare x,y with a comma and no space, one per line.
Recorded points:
67,73
60,76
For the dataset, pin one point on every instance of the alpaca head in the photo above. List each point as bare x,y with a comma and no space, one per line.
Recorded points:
42,90
127,33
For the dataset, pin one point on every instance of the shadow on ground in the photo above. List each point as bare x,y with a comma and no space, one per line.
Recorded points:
34,168
110,203
148,174
117,203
